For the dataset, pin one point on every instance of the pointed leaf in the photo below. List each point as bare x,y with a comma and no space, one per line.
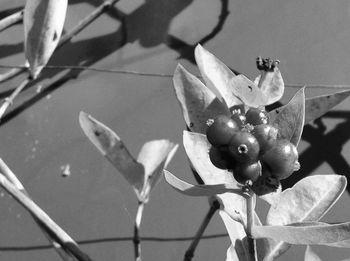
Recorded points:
200,190
112,147
198,103
310,255
289,119
271,85
154,156
239,249
308,200
305,235
197,147
217,76
250,94
43,25
315,107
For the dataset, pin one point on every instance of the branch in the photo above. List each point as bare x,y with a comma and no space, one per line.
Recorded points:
250,223
190,251
11,20
68,36
137,238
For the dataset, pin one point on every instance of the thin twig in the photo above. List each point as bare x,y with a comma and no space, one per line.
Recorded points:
68,36
55,231
250,224
66,256
137,238
190,251
9,100
11,20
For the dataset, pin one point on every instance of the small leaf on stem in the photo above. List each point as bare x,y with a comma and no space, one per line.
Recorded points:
200,190
217,76
198,103
43,25
305,234
289,119
112,147
315,107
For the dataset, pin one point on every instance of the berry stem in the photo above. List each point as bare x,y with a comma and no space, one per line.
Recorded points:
137,239
250,224
190,251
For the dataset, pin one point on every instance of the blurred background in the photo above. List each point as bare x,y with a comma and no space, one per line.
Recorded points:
40,136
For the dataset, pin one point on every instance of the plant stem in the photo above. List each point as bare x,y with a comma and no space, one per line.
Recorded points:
65,38
190,251
65,256
9,100
250,223
50,226
11,20
137,238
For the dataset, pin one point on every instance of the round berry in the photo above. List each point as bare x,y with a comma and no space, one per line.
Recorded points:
244,147
221,130
256,116
219,158
282,159
245,172
266,135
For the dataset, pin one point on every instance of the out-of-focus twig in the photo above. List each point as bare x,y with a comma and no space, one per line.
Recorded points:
57,233
11,20
68,36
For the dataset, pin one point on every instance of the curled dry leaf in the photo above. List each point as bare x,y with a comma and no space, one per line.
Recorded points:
111,147
200,190
289,119
43,25
305,234
315,107
197,147
217,76
198,103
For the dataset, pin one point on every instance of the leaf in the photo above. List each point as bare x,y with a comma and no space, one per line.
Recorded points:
200,190
43,25
315,107
308,200
289,119
271,85
310,255
250,94
112,147
305,235
197,147
238,249
217,76
154,156
198,103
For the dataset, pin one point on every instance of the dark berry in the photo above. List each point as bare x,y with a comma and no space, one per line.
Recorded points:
266,135
256,116
221,130
244,172
244,147
282,159
219,158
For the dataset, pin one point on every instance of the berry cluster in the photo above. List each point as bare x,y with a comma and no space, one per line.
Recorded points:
249,146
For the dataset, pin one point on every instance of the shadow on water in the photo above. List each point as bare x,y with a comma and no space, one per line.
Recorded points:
324,148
